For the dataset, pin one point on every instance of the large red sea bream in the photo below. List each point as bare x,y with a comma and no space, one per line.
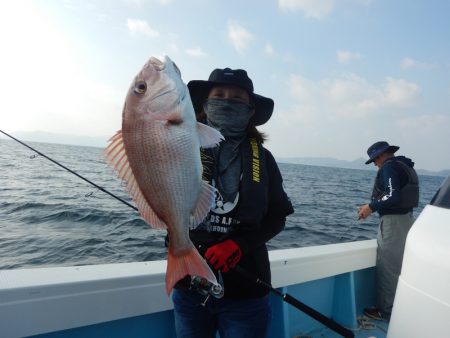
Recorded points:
157,155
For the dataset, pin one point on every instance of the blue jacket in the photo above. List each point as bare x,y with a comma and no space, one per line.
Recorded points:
396,188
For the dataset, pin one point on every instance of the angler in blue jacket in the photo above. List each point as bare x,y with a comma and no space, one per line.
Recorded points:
395,194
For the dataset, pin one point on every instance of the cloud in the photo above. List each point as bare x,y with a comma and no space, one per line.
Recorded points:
140,27
340,116
345,56
141,3
426,138
285,57
239,37
316,9
61,95
351,95
400,93
268,49
196,52
408,63
425,124
172,47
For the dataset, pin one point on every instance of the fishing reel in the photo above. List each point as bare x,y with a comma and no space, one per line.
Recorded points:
206,288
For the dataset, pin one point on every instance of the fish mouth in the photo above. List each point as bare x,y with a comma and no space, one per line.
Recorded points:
157,64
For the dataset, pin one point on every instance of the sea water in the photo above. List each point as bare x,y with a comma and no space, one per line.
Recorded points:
50,217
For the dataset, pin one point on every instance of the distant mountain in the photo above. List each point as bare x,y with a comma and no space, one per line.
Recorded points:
46,137
359,163
327,162
443,173
101,141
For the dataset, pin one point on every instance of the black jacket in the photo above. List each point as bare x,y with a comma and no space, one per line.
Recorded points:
264,211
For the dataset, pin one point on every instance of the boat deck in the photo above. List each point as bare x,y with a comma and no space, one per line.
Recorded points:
368,328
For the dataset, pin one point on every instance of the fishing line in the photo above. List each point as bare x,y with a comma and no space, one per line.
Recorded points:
349,228
71,171
346,231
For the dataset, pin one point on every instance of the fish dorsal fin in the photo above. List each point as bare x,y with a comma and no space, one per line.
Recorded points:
209,137
116,156
205,201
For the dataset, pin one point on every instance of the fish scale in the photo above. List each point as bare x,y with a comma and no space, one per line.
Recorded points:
172,176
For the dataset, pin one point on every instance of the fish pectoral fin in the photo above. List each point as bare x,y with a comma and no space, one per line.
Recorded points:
188,263
205,202
209,137
116,156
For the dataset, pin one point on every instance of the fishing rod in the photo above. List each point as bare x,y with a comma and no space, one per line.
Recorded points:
71,171
330,323
286,297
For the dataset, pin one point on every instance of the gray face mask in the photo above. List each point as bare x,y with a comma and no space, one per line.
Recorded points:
229,117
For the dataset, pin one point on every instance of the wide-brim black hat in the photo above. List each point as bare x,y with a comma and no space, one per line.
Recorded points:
379,148
199,91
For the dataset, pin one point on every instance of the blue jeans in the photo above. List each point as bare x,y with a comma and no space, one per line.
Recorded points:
233,318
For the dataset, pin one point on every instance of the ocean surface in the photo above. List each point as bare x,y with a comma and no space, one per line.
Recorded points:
50,217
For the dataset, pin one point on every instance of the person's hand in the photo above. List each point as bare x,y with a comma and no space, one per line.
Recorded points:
364,211
224,256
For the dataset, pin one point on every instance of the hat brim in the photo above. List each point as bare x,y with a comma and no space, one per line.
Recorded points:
199,90
389,149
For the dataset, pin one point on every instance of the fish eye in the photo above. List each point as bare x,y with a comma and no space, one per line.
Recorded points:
140,87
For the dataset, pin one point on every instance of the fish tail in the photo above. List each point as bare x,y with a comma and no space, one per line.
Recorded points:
188,263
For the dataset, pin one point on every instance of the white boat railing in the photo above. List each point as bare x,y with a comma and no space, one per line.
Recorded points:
40,300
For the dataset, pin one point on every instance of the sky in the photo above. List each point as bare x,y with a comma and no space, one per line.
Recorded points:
343,73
